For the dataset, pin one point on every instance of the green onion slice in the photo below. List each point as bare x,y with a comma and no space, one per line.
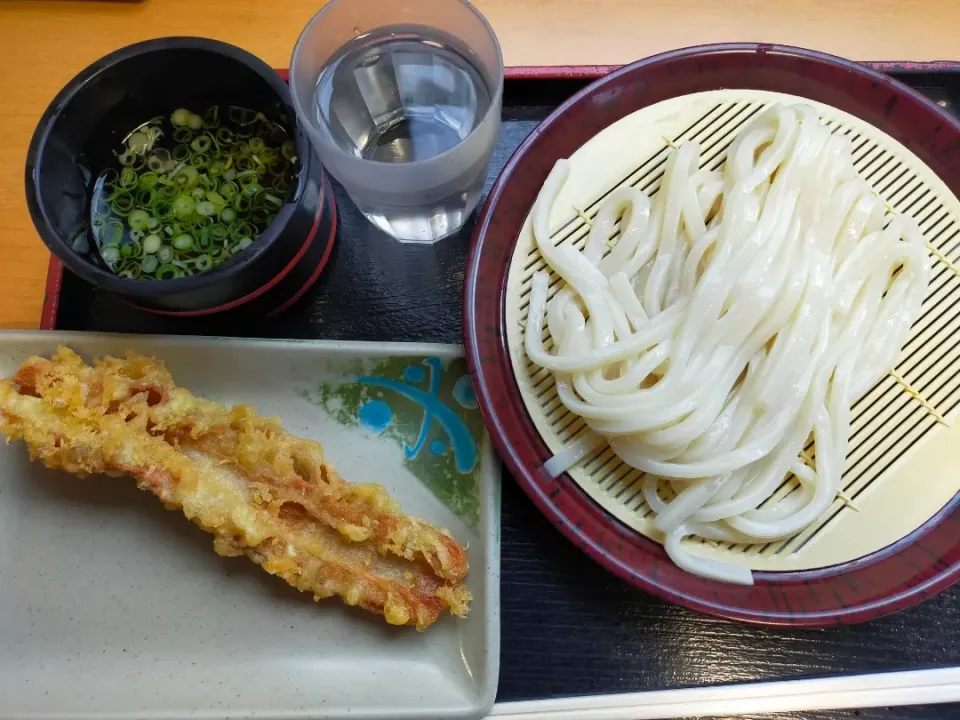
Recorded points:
138,219
201,143
152,243
183,242
167,272
205,208
181,153
184,206
110,254
128,178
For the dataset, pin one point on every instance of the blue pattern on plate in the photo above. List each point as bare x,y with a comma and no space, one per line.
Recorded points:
463,443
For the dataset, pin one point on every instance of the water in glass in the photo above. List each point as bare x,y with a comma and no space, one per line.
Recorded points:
401,94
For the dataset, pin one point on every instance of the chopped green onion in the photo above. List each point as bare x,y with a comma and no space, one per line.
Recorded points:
180,117
108,177
139,142
130,271
201,144
169,192
152,243
241,230
184,206
211,118
218,232
163,210
263,216
241,116
121,203
110,254
165,213
146,198
132,249
183,242
138,219
167,272
159,160
128,178
228,189
216,198
188,177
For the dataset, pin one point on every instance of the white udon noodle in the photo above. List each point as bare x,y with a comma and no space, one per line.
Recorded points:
739,314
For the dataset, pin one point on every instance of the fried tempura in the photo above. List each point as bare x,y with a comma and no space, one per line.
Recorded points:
261,491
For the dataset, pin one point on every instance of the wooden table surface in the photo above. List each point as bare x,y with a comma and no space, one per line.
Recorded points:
44,43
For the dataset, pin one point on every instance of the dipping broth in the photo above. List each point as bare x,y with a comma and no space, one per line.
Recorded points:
188,192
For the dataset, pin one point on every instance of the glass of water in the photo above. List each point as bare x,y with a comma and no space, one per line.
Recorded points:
401,100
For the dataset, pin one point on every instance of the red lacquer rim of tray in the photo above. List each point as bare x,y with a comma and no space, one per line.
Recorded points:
51,298
899,576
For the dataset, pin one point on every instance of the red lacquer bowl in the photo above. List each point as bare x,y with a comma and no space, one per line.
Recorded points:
903,574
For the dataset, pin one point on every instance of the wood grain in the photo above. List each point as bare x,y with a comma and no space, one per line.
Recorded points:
45,43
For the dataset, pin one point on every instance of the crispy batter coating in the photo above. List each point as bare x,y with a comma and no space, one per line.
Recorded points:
261,491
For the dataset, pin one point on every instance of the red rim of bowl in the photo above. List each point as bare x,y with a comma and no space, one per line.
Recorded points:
901,575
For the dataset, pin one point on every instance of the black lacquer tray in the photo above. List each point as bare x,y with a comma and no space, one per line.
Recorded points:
568,627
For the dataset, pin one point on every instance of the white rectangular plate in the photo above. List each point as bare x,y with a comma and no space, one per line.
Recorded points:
112,607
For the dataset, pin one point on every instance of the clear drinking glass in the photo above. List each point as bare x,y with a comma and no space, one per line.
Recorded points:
401,100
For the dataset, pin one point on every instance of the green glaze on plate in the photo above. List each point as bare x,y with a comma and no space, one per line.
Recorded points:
427,406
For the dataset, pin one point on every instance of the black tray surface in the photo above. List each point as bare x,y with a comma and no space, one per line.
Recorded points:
568,627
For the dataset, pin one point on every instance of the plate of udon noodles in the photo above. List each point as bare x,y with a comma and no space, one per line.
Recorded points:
731,320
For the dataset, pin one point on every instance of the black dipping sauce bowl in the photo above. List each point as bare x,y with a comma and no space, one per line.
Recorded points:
90,118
